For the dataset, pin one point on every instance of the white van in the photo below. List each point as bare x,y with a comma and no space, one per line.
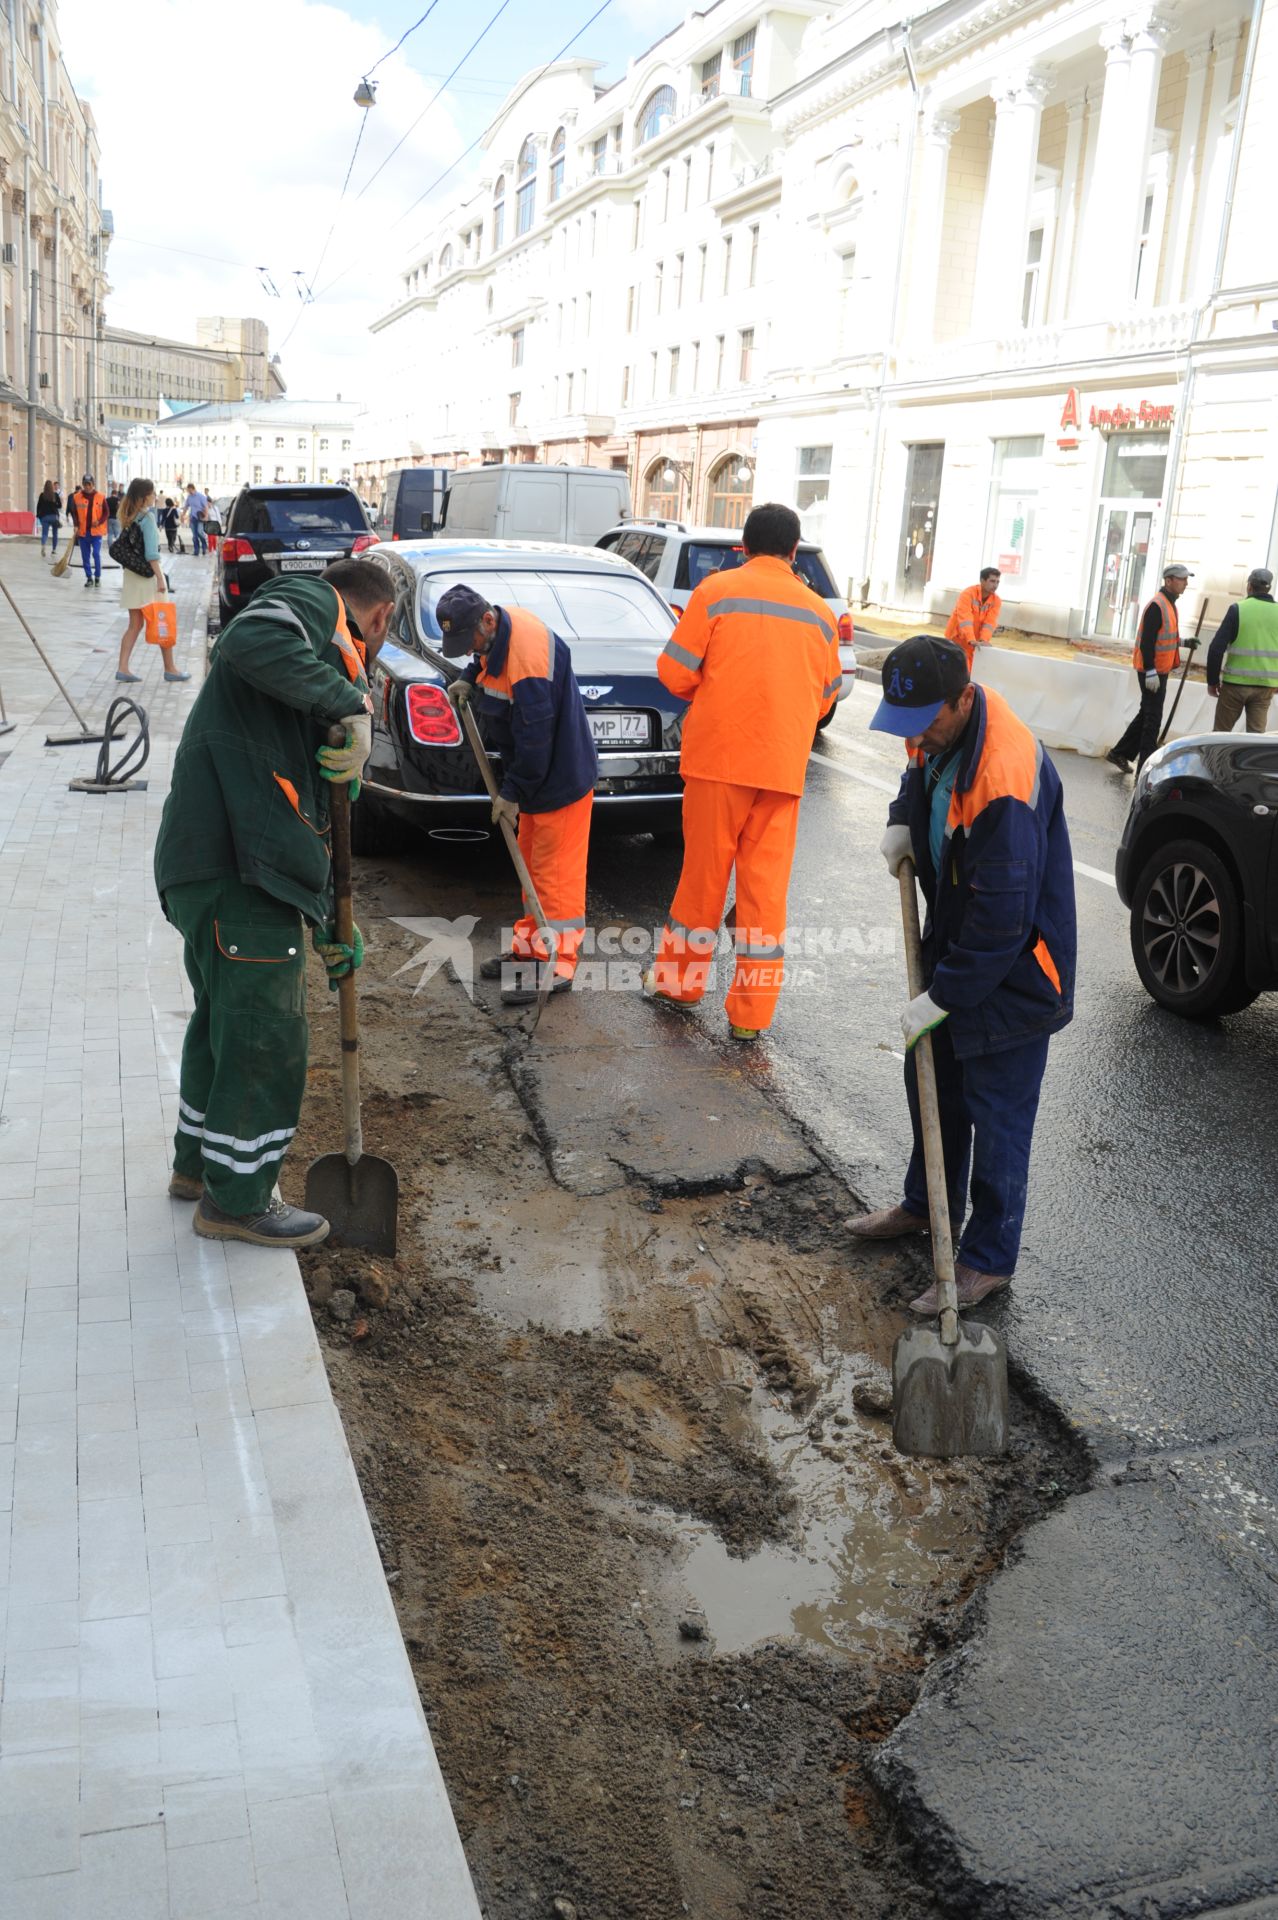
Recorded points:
529,502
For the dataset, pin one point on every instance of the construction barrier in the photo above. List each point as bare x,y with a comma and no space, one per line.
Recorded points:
17,523
1083,704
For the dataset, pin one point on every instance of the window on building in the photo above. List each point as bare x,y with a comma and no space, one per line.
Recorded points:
696,364
589,304
301,473
594,233
727,263
346,446
499,212
279,443
257,475
625,386
743,63
657,114
1033,277
515,399
661,491
599,154
657,278
754,256
729,491
710,76
665,193
636,221
301,443
257,441
710,171
445,262
673,386
678,280
652,375
701,271
632,309
323,473
323,446
718,359
568,386
1143,251
557,148
517,347
746,340
812,487
1009,532
526,187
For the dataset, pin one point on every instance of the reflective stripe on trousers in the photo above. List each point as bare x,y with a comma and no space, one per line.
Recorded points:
555,847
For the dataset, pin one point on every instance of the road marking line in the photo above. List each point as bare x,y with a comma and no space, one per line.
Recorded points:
885,786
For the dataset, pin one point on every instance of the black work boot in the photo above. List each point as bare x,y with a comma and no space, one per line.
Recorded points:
279,1226
494,968
529,996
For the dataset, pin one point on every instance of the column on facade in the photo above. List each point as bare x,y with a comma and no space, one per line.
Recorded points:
1067,225
936,132
1149,35
1120,168
1009,192
1210,207
1093,286
1188,151
883,181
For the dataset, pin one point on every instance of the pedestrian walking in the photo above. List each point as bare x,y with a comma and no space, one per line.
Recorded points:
212,526
756,653
142,581
87,512
1155,656
113,516
169,522
241,862
981,815
49,514
1242,661
521,681
194,509
975,617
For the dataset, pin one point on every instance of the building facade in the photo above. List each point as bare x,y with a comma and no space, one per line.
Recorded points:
143,376
54,236
225,445
995,283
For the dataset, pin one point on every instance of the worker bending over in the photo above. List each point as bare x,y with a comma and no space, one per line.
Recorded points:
1242,661
1155,656
980,814
521,681
757,654
242,860
975,617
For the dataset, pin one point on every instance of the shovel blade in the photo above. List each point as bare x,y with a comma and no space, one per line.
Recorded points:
360,1201
949,1401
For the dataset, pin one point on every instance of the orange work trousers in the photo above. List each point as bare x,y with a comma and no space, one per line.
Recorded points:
555,847
753,828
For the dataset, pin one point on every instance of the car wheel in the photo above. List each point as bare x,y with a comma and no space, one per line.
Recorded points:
1186,932
374,831
826,718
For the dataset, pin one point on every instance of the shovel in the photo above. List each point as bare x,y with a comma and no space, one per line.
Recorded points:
357,1193
949,1382
1190,648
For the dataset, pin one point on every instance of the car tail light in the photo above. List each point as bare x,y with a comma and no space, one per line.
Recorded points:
845,630
233,550
364,541
431,720
675,607
233,588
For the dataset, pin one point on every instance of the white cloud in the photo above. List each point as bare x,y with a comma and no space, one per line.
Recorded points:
226,131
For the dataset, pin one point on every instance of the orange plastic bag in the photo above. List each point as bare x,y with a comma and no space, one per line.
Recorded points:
161,622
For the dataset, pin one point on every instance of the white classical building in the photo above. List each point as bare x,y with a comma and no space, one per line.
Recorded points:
227,444
995,283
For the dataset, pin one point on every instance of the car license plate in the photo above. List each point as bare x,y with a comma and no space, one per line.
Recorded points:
298,563
619,729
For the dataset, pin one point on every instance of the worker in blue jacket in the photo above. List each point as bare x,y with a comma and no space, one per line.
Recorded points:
521,680
980,813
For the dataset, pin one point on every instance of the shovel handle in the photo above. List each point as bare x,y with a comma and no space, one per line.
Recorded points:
930,1118
344,933
471,729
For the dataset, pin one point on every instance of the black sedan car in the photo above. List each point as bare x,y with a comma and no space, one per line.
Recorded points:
615,624
1198,868
275,529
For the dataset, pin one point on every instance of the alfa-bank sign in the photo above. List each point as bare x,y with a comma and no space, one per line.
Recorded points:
1144,418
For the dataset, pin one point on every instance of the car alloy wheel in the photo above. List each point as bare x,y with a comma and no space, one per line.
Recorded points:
1187,931
1181,927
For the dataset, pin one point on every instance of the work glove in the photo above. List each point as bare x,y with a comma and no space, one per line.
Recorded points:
461,692
919,1017
338,959
1151,683
895,846
347,763
507,810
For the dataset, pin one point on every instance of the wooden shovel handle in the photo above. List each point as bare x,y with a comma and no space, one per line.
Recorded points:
471,728
344,934
930,1118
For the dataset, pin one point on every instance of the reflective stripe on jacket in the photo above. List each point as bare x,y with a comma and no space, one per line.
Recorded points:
1001,939
757,654
1167,643
89,512
1252,660
973,620
534,714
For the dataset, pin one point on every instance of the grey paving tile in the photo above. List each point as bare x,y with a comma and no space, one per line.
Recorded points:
204,1879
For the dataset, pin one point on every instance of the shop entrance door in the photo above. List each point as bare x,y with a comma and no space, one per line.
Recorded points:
1122,564
918,521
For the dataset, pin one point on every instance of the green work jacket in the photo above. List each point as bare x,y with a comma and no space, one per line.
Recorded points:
1252,660
247,798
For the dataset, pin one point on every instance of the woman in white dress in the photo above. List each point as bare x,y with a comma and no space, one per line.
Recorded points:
138,590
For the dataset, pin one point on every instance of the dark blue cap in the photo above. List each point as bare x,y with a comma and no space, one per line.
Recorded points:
459,611
919,677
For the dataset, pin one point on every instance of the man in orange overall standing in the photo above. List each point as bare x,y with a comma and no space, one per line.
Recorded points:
1155,657
756,652
87,512
521,681
975,616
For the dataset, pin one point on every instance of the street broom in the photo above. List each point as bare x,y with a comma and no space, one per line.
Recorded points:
949,1381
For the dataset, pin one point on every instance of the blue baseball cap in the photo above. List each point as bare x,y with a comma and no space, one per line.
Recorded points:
919,677
459,612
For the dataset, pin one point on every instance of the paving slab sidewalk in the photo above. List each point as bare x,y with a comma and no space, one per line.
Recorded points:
207,1708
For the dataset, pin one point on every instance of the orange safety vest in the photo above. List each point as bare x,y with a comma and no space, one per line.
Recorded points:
757,654
1167,645
973,620
90,510
530,655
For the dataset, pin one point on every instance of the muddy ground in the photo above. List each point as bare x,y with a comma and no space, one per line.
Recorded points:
664,1580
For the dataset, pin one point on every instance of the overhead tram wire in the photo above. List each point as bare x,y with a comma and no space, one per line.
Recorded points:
405,35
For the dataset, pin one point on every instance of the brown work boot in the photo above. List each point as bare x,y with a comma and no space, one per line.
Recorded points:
974,1286
889,1223
185,1186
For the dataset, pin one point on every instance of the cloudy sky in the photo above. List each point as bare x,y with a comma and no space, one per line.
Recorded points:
227,127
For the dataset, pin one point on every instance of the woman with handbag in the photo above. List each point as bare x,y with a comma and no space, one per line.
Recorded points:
141,574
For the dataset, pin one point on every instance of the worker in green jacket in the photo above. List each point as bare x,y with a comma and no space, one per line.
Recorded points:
242,861
1242,661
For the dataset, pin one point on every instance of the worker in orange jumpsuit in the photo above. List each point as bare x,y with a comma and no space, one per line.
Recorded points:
87,512
522,683
975,614
756,652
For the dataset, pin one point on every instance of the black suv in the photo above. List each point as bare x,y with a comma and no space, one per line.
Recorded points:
1198,867
272,530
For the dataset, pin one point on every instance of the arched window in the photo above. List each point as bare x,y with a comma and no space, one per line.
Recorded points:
526,187
658,113
499,212
557,146
729,492
661,490
445,262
